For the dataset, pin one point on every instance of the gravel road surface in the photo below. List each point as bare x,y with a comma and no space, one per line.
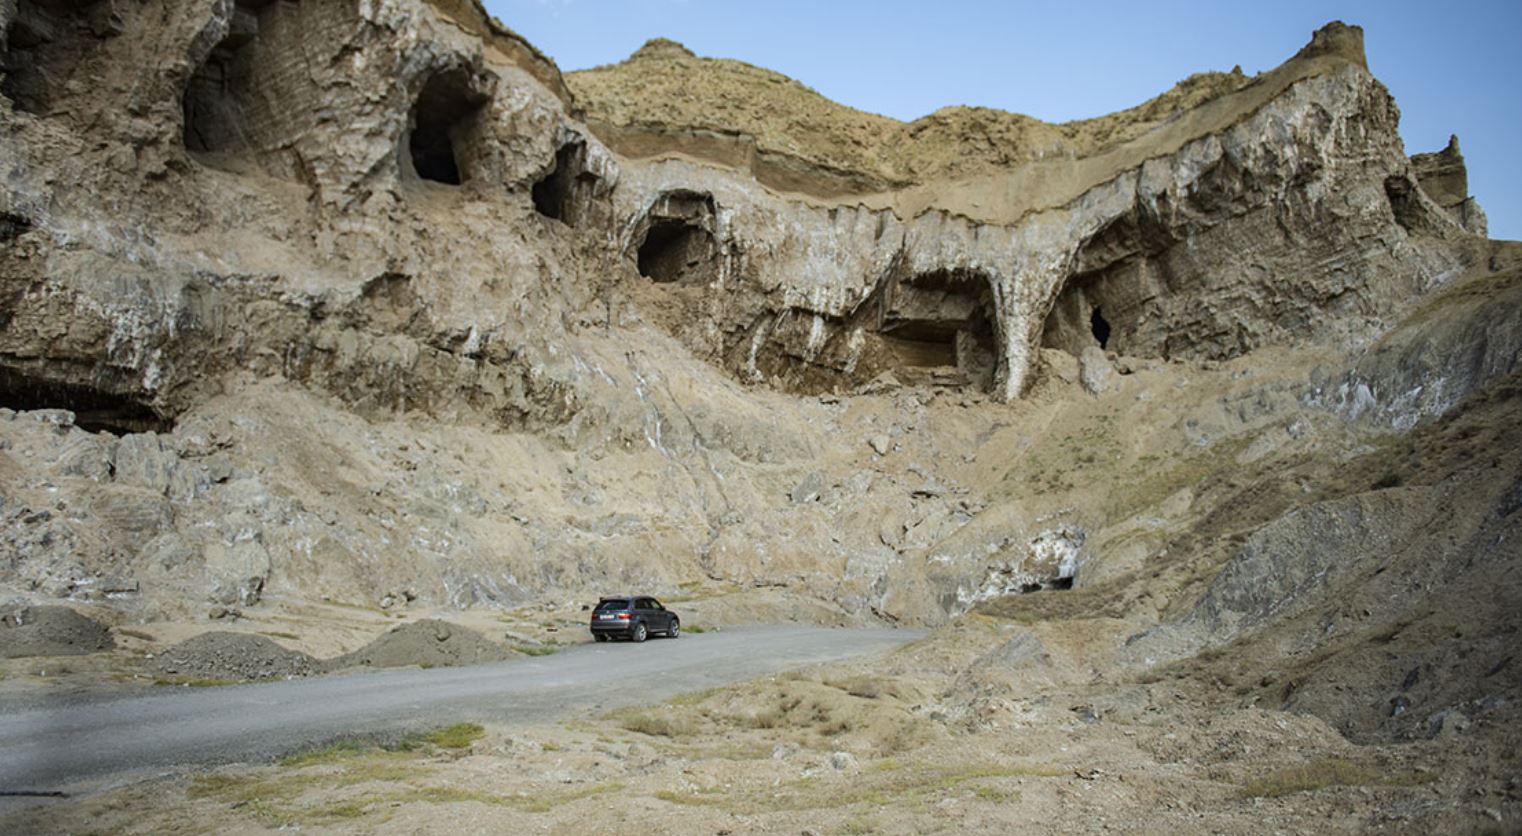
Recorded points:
81,745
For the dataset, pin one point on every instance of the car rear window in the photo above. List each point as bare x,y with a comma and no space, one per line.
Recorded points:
612,604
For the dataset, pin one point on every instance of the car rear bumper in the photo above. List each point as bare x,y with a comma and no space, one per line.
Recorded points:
622,629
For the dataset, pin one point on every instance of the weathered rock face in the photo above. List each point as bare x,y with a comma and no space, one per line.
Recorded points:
1200,238
344,299
1445,179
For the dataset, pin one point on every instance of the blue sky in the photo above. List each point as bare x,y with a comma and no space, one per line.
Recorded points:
1453,67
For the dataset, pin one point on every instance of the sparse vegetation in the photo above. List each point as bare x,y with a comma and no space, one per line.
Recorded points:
654,723
457,736
326,753
874,787
134,634
275,799
1327,772
536,649
860,825
866,687
193,681
994,795
279,634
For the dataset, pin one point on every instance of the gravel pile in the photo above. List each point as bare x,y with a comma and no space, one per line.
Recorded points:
50,631
235,656
430,643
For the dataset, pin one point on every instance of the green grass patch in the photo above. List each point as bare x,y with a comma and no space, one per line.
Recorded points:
457,736
328,753
536,649
1327,772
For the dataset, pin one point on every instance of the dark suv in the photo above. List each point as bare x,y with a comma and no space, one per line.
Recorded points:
633,617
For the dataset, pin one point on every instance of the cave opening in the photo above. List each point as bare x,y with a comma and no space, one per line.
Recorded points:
219,95
942,319
1092,312
676,250
12,226
95,409
441,126
558,193
1099,327
678,244
45,42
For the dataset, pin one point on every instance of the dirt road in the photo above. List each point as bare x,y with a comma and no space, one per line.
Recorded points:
72,747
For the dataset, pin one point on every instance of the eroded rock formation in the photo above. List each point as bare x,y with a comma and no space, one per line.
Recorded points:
351,298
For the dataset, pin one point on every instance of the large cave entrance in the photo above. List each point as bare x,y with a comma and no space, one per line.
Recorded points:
941,324
221,98
678,244
96,409
45,43
444,128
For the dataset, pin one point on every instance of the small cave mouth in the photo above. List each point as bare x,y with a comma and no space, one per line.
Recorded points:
1099,327
441,127
561,193
95,409
1093,311
677,251
1057,584
13,226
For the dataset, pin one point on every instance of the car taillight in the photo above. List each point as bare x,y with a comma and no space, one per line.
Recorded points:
623,616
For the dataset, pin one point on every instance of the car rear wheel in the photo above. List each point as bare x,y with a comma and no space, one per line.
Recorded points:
676,629
639,632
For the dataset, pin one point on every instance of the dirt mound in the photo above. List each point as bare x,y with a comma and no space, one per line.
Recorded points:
429,643
50,631
222,655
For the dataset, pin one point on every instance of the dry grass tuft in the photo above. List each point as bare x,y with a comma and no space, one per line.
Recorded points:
1327,772
654,723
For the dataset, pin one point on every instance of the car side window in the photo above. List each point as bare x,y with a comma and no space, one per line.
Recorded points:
656,605
642,604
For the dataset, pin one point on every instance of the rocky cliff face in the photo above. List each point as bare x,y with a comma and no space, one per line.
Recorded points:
1171,231
363,300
